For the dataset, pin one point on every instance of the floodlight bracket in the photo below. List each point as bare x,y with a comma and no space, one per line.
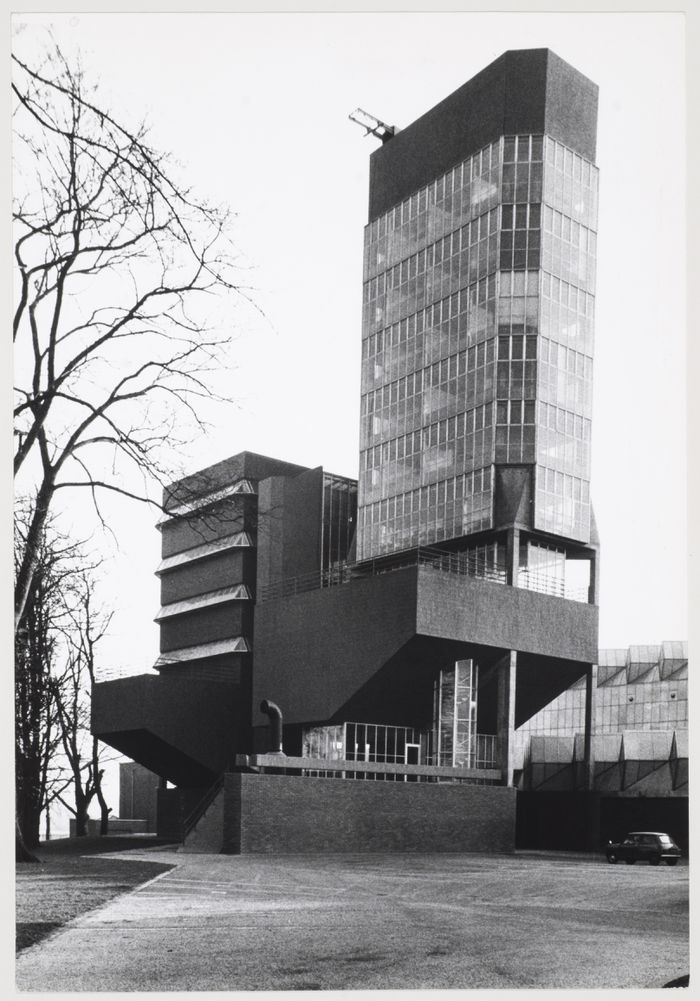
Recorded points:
373,126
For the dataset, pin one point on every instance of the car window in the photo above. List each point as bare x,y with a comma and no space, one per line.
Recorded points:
665,840
649,839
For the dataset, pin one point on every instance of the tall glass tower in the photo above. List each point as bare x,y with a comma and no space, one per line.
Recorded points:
479,281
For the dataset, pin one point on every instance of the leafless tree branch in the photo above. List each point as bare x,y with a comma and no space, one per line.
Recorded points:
115,261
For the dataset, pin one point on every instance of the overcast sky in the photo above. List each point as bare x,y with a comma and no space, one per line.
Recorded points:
254,108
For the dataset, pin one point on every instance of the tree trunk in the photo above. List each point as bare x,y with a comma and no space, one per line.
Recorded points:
27,810
99,774
22,853
81,815
104,819
30,825
25,573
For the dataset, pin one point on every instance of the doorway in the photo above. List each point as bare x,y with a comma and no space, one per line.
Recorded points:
412,757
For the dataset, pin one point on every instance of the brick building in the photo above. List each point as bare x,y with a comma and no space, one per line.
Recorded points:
409,624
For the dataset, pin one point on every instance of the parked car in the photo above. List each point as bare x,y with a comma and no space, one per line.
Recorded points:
644,846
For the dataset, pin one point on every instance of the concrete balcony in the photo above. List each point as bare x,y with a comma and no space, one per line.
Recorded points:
377,641
182,729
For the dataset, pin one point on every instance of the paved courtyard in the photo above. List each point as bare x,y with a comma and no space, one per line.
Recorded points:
375,922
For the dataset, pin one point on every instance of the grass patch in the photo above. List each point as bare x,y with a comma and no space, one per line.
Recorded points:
66,884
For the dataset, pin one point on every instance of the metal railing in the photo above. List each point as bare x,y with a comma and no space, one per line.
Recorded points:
463,564
536,580
466,564
191,821
324,768
112,673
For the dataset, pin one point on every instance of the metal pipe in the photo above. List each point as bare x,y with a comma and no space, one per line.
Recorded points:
274,713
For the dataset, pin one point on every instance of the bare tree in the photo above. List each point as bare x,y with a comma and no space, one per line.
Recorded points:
86,625
40,777
115,262
36,731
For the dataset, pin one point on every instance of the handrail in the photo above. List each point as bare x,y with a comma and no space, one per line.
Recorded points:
108,672
466,564
367,767
463,564
536,580
193,818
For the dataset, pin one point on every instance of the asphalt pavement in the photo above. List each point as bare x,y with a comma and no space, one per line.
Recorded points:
529,920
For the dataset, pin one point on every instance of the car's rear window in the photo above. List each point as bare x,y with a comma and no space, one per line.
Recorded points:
665,840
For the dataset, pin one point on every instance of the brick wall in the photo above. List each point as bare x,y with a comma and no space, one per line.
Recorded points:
229,669
228,516
230,567
291,815
206,625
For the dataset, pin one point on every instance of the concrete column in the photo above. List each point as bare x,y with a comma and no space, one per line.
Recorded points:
589,725
512,555
505,713
594,585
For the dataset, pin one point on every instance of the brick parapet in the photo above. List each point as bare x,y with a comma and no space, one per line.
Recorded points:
293,815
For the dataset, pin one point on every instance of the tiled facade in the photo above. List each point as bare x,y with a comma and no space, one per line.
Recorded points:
639,688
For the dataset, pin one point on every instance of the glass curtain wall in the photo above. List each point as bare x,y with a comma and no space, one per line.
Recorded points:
455,715
429,351
339,518
565,363
477,346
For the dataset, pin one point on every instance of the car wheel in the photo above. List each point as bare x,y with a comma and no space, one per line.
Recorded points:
654,859
630,861
671,861
612,858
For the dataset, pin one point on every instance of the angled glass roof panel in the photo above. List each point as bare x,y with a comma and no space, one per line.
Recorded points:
219,648
674,670
676,649
238,539
643,672
674,659
645,654
612,675
197,503
681,743
642,661
237,592
611,666
612,657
